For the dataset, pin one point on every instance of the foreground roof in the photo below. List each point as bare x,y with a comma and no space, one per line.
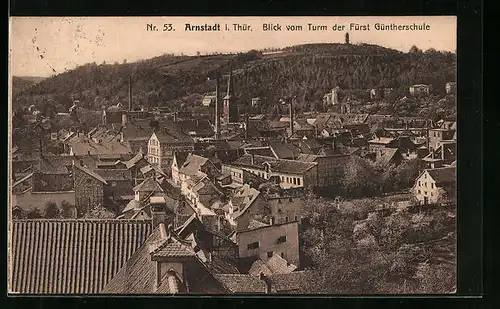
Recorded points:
64,256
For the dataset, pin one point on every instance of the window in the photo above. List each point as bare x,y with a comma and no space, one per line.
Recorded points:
419,183
296,218
254,245
294,180
270,254
432,185
279,201
432,194
425,184
298,181
273,220
282,239
290,199
282,254
425,192
419,192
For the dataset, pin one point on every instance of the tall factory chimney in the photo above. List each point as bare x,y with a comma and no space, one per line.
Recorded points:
246,124
217,112
291,115
130,93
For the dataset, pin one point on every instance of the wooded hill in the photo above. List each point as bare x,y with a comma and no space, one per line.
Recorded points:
304,71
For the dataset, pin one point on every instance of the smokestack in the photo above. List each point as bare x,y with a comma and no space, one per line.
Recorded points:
291,116
130,93
217,112
252,158
175,116
246,124
267,282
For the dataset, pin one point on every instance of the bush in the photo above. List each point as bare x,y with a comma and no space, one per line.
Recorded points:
34,213
51,211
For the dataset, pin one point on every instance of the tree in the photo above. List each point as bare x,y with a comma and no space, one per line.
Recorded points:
99,212
68,210
34,213
360,178
51,211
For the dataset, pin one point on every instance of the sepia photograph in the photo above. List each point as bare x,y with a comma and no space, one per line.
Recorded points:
232,155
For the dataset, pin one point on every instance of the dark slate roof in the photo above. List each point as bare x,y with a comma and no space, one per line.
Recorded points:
71,256
91,173
443,175
172,134
284,151
284,166
115,174
148,185
198,127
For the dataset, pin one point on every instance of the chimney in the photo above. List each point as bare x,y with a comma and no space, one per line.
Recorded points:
246,125
159,215
252,159
130,93
175,116
217,112
267,282
291,116
124,119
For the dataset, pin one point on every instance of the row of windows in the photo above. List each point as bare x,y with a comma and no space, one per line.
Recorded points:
273,219
154,142
235,174
256,245
425,192
425,184
294,180
271,253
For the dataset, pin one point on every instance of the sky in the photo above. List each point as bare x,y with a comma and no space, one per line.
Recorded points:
45,46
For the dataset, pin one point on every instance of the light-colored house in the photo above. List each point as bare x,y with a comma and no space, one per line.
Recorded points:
420,89
164,143
432,184
267,240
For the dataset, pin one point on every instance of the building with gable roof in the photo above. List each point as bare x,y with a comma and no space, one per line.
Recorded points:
432,184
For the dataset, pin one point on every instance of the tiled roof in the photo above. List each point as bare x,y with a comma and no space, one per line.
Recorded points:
279,265
173,248
387,155
259,267
91,173
254,224
200,127
149,184
71,256
115,174
130,163
241,283
443,175
284,166
192,164
284,151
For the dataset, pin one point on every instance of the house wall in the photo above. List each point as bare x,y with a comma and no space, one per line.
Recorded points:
30,200
89,191
425,187
267,238
330,170
285,209
437,136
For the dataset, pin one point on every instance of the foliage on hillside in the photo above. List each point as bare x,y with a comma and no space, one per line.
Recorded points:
402,253
306,71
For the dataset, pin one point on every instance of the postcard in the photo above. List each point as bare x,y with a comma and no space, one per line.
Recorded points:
232,155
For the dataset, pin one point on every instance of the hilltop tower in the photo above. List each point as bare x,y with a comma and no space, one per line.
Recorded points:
347,37
230,109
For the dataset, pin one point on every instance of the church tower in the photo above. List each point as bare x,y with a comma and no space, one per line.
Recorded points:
230,108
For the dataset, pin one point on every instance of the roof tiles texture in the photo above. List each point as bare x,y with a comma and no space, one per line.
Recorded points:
71,256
